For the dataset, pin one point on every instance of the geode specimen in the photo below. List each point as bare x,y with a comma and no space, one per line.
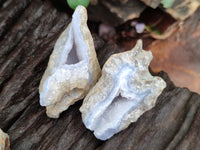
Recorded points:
4,141
73,67
124,92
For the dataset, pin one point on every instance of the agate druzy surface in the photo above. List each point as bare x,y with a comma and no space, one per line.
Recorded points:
73,67
124,92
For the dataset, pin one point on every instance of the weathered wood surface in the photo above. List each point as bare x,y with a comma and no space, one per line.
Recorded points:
28,31
115,12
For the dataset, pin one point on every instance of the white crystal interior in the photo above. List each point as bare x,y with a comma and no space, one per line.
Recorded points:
74,50
124,92
106,117
74,55
72,69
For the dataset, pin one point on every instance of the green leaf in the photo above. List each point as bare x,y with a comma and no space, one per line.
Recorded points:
153,29
74,3
148,28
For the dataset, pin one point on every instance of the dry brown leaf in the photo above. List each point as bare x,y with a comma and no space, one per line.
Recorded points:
179,55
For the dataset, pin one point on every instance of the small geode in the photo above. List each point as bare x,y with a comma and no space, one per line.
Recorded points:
124,92
4,141
73,67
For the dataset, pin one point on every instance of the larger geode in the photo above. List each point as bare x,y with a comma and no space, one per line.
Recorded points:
73,67
124,92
